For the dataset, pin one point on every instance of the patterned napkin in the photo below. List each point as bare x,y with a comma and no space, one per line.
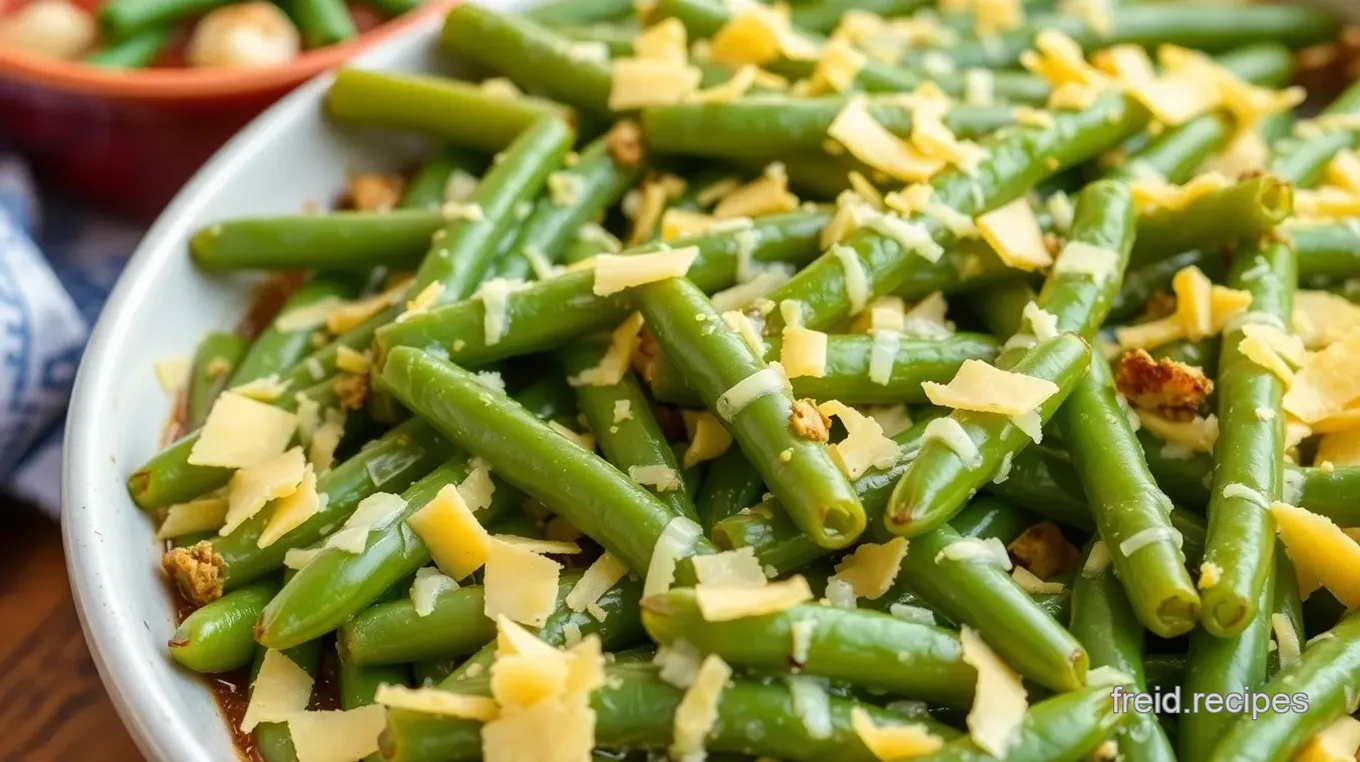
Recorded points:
58,262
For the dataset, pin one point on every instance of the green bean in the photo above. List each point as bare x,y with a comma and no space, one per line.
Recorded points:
1200,27
595,183
1330,492
429,186
1221,665
273,739
1065,728
533,56
731,485
596,498
1328,673
1249,454
847,370
214,360
135,51
635,440
1105,623
1043,480
333,241
981,595
1330,250
393,633
776,126
216,637
1019,157
1254,205
336,584
1302,161
822,16
358,684
121,19
866,648
633,710
1163,672
462,250
562,12
713,358
550,312
394,461
322,22
1285,601
168,477
434,106
939,481
280,348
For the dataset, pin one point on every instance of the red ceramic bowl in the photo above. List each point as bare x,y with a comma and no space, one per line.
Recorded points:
128,140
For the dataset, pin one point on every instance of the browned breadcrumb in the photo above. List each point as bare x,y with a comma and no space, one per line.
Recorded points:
1324,69
809,423
196,571
625,144
1044,550
374,191
1171,389
352,390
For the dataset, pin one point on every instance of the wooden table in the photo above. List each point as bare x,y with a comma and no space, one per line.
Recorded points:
52,704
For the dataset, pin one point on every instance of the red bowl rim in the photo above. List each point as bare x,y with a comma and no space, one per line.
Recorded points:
198,84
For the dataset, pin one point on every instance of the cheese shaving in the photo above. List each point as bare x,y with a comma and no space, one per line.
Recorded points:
1013,232
1321,549
252,487
759,384
292,511
999,701
708,439
893,742
172,372
856,280
676,542
983,388
872,568
438,702
697,712
639,82
280,689
767,194
520,584
201,515
950,433
457,541
724,603
240,432
1081,259
864,446
612,367
660,477
615,273
872,143
730,568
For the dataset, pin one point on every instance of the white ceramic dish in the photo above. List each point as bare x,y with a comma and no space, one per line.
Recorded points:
288,156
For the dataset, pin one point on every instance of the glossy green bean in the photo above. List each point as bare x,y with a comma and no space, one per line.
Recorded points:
1221,665
633,710
939,481
866,648
1328,673
1065,728
533,56
595,497
560,12
217,636
123,18
634,441
1105,623
823,16
731,485
1327,492
462,250
714,359
1250,449
776,126
596,182
332,241
847,378
1242,211
548,313
1301,161
214,361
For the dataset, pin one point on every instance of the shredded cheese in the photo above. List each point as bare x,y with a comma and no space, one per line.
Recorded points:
759,384
724,603
698,709
457,541
951,434
864,446
676,542
872,568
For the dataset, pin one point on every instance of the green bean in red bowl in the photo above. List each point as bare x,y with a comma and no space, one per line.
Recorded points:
812,383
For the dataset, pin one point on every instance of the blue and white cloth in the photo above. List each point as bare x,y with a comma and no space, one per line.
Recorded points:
58,262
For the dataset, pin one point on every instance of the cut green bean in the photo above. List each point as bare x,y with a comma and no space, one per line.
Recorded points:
625,430
1239,212
579,486
847,376
214,361
356,241
731,485
136,51
714,359
217,636
940,480
429,187
1249,455
322,22
123,18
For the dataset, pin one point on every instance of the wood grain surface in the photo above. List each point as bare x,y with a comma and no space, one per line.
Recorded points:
52,704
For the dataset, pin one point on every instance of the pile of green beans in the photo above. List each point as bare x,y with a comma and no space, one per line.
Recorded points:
675,423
